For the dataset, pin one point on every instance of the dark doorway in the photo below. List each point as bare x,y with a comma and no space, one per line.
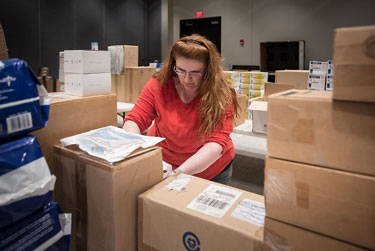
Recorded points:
209,27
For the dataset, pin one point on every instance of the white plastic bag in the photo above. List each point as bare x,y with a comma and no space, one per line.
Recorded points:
110,143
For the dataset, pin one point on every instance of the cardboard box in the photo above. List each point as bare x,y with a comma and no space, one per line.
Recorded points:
60,86
71,115
198,214
242,102
80,61
258,106
130,84
61,66
332,202
354,64
87,84
299,78
3,45
308,126
282,236
123,56
103,197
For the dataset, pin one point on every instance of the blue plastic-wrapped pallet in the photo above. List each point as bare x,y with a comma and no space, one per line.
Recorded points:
45,229
24,102
26,183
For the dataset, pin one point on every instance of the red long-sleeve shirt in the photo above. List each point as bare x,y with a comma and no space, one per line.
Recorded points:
178,124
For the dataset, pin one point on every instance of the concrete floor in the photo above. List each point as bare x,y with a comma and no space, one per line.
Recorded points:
248,174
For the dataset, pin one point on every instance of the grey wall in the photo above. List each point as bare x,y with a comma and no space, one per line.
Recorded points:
258,21
36,30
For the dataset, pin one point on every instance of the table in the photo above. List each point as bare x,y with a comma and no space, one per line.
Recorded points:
248,143
123,108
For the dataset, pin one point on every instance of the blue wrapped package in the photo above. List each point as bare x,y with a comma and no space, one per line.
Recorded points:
24,102
45,229
26,183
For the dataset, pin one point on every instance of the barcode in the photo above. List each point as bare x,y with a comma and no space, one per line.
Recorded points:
19,122
225,194
211,202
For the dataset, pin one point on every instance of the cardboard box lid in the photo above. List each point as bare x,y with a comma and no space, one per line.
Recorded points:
260,103
166,210
303,94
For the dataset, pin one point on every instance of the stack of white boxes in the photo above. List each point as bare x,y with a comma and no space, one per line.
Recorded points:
320,76
317,75
87,72
249,83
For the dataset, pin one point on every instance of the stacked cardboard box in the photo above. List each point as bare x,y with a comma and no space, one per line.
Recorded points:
129,85
188,213
102,197
70,115
128,79
3,45
45,78
354,67
321,166
258,106
299,78
87,72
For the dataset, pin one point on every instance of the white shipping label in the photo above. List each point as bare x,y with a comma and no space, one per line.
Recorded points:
250,211
215,200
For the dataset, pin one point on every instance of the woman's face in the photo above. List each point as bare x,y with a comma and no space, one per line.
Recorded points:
189,72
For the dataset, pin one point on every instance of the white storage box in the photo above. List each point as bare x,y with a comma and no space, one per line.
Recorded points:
80,61
87,84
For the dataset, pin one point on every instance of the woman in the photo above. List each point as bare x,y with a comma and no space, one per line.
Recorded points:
192,105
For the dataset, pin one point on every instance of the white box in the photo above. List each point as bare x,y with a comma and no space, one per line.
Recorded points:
80,61
316,82
330,68
87,84
318,68
329,83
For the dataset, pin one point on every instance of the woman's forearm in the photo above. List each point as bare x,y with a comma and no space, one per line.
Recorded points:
130,126
202,159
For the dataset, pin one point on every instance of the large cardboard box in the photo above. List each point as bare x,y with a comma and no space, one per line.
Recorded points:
188,213
242,102
299,78
80,61
87,84
354,64
258,106
71,115
332,202
309,127
103,197
130,84
282,236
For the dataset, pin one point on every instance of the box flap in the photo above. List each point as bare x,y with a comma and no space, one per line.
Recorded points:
272,88
258,106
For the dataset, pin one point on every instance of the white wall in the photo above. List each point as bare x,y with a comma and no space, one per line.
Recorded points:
258,21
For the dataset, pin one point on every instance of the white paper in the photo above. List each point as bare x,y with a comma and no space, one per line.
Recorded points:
180,182
215,200
110,143
250,211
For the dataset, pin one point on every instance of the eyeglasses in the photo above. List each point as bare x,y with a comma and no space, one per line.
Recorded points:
184,73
